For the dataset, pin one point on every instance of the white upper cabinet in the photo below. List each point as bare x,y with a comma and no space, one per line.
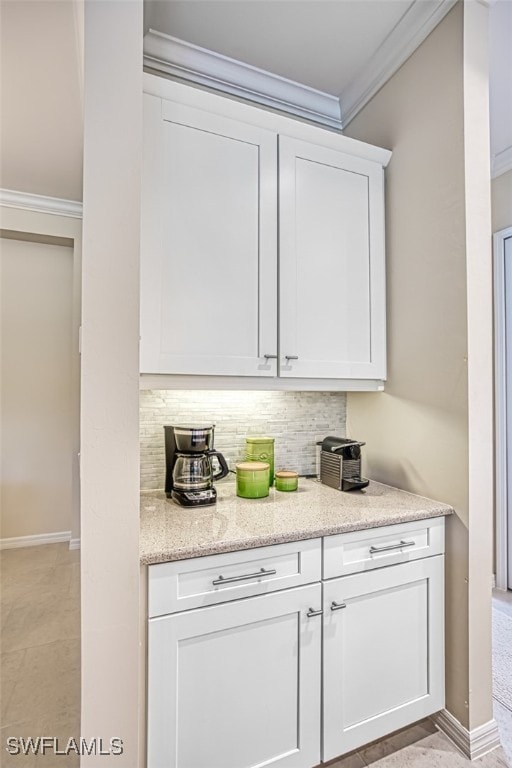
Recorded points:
227,218
209,244
331,261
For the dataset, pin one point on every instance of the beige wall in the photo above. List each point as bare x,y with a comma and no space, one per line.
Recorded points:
420,430
41,98
36,309
42,227
110,377
501,196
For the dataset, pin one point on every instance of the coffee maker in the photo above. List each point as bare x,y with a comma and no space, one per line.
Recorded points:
189,473
340,464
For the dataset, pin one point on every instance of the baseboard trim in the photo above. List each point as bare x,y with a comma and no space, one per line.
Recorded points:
472,744
74,543
16,542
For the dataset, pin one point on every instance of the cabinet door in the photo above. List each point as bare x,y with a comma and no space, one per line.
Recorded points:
383,652
208,244
332,271
237,685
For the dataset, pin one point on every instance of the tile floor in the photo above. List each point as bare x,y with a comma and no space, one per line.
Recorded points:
40,645
423,746
502,601
40,671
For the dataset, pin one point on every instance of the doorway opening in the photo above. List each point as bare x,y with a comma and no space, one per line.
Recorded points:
39,493
503,405
502,599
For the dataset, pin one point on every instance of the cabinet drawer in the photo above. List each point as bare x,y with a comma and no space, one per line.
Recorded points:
193,583
377,547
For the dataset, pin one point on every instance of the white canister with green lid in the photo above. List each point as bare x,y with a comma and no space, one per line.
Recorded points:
261,449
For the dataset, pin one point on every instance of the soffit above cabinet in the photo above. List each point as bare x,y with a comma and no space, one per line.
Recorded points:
318,60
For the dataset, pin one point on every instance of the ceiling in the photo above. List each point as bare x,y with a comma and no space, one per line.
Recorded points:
324,44
319,43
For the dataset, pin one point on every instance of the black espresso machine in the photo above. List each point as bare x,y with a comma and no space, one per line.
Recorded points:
340,464
189,472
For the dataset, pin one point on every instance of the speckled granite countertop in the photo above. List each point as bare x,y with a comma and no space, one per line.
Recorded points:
171,532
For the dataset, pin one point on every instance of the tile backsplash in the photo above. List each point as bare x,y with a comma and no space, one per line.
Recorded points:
295,419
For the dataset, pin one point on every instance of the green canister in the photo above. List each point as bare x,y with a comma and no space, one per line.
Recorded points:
252,479
261,449
286,480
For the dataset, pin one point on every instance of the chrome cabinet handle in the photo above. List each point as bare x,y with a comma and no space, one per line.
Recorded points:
270,357
312,612
244,577
337,606
291,357
389,547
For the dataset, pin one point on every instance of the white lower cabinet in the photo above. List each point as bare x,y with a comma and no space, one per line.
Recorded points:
383,652
301,675
237,685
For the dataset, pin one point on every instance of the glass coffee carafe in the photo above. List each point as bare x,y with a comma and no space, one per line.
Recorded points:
194,471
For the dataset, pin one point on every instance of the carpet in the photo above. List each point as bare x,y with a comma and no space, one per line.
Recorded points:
502,657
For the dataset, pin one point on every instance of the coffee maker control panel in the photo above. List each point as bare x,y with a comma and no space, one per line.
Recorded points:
195,498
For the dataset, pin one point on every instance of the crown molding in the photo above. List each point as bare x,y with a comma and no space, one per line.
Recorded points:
40,203
501,162
412,29
170,56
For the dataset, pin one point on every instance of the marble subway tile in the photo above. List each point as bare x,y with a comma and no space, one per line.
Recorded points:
294,419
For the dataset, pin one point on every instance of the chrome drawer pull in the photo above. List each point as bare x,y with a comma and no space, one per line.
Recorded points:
312,612
337,606
270,357
389,547
231,579
291,357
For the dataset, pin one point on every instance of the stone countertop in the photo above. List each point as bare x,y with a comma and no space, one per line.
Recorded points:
170,532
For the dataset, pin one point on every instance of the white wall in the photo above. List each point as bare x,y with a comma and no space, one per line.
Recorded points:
36,427
501,197
110,377
430,432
